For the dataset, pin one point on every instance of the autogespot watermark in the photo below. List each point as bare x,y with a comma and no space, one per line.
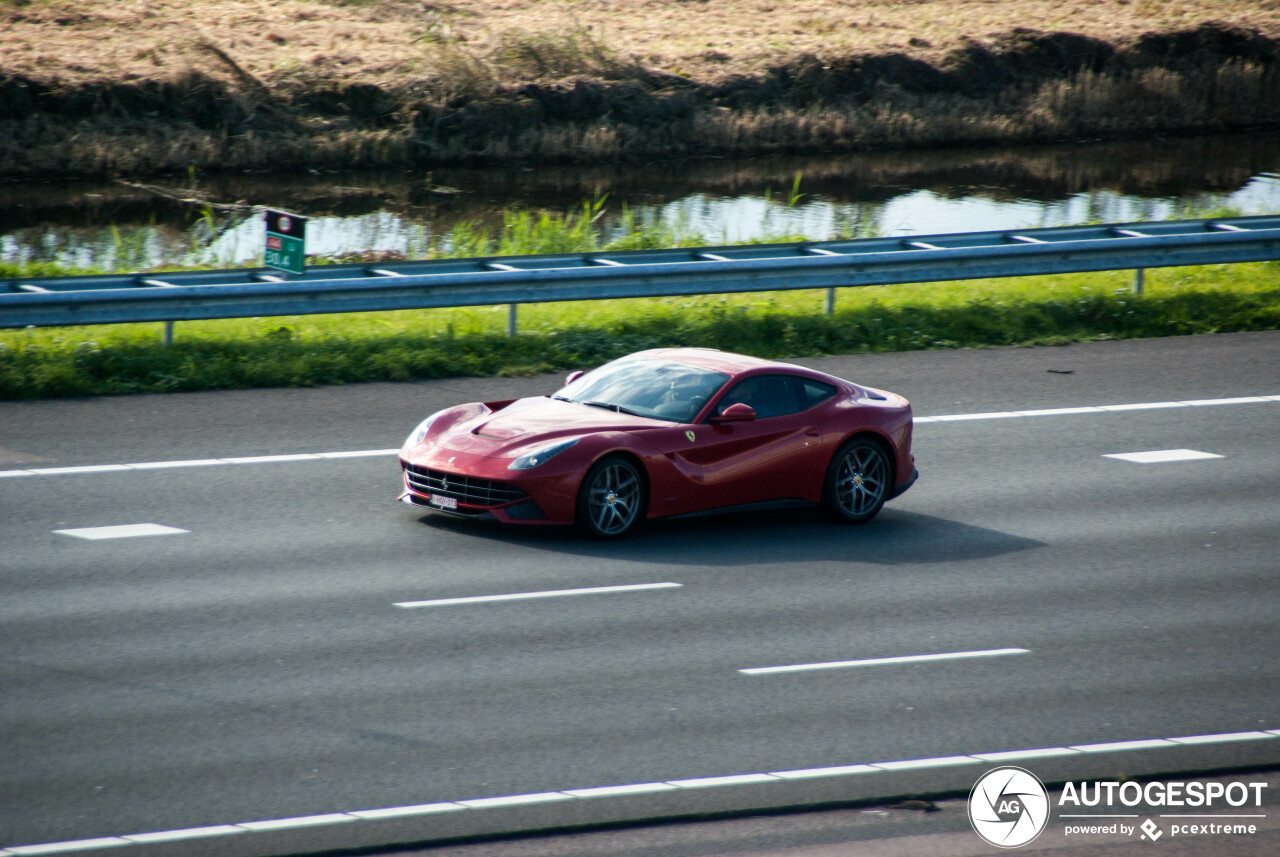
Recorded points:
1009,807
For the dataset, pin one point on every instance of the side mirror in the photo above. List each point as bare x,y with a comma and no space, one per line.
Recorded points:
573,376
740,412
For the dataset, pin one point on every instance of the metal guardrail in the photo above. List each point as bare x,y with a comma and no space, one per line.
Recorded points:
513,280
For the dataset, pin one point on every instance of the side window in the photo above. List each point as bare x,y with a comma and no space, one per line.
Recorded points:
769,395
814,392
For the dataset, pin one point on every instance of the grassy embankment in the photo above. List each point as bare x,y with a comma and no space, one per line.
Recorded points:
401,346
349,84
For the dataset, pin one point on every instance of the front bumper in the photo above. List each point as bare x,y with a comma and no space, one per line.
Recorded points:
472,486
899,490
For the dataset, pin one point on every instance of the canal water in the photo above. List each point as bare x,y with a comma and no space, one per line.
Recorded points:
115,226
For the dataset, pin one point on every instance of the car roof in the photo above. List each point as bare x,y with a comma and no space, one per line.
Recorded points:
728,362
710,358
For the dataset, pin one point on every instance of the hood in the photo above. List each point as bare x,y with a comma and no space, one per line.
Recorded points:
529,423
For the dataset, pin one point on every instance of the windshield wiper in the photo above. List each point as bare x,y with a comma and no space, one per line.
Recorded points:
605,405
562,399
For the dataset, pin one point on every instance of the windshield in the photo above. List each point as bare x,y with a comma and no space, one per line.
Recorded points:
646,387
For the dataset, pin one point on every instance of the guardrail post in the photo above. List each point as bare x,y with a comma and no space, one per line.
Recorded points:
1137,280
511,319
168,333
831,300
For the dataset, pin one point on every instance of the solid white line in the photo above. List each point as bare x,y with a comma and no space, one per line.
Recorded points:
520,596
731,780
167,465
1010,755
1118,746
515,800
198,462
300,821
123,531
1223,738
939,762
88,468
874,662
62,847
189,833
610,791
367,453
838,771
402,811
636,788
1143,406
1239,400
271,459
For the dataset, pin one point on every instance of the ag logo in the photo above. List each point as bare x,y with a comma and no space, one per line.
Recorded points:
1008,807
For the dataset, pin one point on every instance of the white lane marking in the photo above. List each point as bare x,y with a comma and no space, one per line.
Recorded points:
1119,746
300,821
610,791
63,847
1144,406
1239,400
704,782
189,833
731,780
1222,738
403,811
520,596
939,762
198,462
1062,412
875,662
837,771
123,531
1010,755
955,418
88,468
515,800
371,453
1095,409
1161,456
271,459
166,465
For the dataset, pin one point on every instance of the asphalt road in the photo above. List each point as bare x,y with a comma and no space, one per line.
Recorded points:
255,666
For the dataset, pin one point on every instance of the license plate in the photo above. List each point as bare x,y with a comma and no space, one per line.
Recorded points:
443,502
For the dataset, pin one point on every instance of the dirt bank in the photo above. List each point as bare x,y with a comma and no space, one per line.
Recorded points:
295,85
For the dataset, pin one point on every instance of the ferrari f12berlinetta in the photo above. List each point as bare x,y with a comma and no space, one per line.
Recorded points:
661,433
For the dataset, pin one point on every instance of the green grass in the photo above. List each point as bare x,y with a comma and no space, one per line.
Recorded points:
402,346
407,345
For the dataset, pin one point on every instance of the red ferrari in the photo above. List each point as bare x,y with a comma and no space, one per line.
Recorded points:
661,433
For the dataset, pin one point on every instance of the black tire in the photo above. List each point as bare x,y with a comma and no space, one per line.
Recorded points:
611,499
858,482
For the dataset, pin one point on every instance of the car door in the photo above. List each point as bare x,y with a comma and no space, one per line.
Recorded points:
778,455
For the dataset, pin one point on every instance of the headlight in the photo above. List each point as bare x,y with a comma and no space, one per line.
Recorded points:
415,437
541,456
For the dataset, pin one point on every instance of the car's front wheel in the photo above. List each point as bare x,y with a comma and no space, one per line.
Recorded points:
858,481
611,498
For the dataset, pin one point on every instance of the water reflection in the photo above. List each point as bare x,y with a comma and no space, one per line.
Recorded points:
719,201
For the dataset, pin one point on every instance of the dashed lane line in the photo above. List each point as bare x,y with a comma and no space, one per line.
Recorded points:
876,662
372,453
120,531
523,596
724,781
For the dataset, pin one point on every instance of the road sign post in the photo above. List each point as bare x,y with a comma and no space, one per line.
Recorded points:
286,248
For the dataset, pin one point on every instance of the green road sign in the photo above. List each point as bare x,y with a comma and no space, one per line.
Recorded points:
286,242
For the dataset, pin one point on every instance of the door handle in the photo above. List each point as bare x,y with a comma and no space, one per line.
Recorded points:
812,431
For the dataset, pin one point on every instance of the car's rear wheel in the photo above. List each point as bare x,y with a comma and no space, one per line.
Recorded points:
858,481
611,498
